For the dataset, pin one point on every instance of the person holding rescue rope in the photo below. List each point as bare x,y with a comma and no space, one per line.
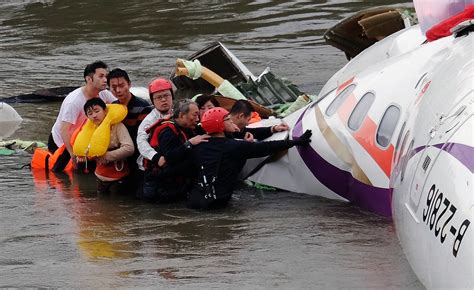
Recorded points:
220,160
172,138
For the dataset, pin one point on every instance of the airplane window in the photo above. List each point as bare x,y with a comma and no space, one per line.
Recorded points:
387,125
339,100
360,111
314,103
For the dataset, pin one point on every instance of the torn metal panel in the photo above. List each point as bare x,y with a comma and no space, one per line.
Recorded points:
267,89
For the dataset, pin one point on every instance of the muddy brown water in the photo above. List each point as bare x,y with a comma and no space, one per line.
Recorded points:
56,232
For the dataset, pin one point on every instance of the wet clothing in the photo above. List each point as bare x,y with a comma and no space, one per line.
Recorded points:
138,109
72,111
118,187
120,148
199,130
144,147
220,160
259,133
172,181
113,177
62,160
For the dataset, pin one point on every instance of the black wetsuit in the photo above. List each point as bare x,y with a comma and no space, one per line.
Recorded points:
259,133
171,182
224,158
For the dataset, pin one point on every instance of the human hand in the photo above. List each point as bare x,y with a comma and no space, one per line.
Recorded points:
161,161
248,137
303,139
280,128
199,139
102,160
80,159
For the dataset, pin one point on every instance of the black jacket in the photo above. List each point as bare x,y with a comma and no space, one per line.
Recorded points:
178,157
138,109
259,133
224,158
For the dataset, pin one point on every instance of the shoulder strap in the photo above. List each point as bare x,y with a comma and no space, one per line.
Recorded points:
153,139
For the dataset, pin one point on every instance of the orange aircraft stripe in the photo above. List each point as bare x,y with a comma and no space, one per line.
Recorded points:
344,85
347,107
366,138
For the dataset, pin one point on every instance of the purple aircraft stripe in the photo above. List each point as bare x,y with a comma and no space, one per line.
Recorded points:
371,198
463,153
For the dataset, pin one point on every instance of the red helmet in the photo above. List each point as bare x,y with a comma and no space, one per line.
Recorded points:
159,84
212,120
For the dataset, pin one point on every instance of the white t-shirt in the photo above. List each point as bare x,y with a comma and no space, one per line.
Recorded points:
72,111
145,149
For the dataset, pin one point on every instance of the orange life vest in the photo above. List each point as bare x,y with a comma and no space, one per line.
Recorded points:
255,117
113,170
43,159
154,132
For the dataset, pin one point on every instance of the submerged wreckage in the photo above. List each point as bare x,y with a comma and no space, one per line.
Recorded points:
387,127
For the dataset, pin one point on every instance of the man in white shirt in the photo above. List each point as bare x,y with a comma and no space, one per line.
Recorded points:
161,96
71,114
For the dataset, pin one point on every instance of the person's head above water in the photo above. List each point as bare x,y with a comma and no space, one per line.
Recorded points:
95,110
119,84
217,121
95,75
186,113
206,102
161,94
241,113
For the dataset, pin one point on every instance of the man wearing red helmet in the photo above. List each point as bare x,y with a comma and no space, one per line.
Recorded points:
161,96
173,138
220,160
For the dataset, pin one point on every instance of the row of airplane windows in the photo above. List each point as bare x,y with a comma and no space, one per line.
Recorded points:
387,124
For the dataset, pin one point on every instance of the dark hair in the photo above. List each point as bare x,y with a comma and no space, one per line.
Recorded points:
182,106
94,102
117,73
202,99
242,107
90,68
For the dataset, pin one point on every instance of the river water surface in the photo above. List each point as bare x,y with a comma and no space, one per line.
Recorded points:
56,232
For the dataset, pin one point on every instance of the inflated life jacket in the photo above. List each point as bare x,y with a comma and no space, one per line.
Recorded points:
154,132
94,141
